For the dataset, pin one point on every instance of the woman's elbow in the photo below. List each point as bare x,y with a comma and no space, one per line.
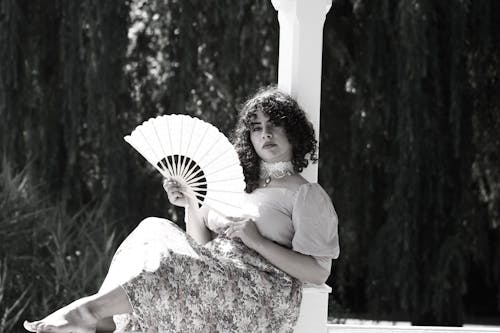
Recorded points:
320,279
318,276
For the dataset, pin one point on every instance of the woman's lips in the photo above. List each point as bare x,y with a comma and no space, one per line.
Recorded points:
268,145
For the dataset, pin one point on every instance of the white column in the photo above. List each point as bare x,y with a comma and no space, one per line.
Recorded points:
301,47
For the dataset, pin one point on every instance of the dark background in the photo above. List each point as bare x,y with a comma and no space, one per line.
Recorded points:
410,141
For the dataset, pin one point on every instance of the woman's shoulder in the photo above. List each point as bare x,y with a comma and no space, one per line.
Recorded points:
311,194
298,185
297,181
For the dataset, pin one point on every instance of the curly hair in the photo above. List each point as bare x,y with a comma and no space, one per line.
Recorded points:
284,111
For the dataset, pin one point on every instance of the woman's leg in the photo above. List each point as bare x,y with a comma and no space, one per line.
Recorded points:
82,315
128,262
141,250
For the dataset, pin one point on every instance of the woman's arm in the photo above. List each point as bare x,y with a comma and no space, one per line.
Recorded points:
195,224
301,266
179,195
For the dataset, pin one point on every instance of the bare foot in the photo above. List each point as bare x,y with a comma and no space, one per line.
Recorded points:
75,317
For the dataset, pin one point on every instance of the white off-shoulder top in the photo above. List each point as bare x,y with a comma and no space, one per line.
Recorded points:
302,219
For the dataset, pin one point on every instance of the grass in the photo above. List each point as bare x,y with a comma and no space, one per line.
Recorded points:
48,255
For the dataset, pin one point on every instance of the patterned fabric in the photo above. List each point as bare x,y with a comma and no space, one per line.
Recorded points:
176,285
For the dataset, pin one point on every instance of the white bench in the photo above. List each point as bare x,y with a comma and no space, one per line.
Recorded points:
313,309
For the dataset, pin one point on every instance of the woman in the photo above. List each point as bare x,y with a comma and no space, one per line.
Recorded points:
238,274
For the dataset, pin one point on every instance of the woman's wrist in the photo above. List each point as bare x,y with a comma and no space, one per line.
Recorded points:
259,244
189,212
191,204
193,215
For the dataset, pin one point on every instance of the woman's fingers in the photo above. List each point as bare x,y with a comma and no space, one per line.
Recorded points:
235,229
241,222
230,231
167,183
174,189
171,185
236,218
177,193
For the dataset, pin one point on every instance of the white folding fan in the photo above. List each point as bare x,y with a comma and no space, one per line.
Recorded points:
197,155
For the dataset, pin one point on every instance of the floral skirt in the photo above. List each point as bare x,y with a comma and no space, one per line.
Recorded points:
177,285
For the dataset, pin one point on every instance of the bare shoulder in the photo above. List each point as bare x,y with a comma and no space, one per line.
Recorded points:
292,182
298,180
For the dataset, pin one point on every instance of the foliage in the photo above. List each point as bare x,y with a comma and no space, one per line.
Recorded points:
47,256
63,101
413,191
199,57
11,313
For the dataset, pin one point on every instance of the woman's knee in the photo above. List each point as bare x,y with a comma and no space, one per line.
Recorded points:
152,223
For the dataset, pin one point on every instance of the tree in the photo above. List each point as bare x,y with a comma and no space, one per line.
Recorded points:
416,212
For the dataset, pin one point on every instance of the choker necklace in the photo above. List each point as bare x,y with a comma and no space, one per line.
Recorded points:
268,171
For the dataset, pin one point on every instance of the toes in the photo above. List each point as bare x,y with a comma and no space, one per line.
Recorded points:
38,326
31,326
45,328
48,328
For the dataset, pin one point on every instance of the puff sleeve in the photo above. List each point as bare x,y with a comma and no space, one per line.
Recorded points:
315,223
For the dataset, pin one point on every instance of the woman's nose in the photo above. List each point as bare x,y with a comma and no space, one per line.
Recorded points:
266,133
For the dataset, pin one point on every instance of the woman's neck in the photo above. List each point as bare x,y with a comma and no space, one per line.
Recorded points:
275,170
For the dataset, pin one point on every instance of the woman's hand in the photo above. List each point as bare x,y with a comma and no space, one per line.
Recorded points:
301,266
246,230
180,194
177,194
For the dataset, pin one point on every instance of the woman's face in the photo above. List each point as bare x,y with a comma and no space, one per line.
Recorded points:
269,141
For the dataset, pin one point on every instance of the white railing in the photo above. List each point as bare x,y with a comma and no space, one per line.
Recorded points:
313,309
314,313
339,328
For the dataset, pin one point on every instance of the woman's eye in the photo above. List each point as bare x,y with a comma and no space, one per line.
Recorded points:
256,128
